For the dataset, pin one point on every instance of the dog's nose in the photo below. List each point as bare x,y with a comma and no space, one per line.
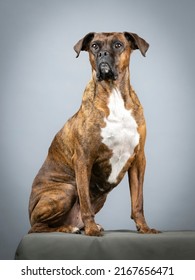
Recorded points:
103,53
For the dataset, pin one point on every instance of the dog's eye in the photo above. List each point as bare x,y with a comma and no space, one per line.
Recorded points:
95,46
117,45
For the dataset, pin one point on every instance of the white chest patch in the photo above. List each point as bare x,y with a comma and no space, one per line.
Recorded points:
120,134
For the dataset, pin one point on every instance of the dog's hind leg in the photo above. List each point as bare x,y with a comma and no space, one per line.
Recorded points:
44,227
49,212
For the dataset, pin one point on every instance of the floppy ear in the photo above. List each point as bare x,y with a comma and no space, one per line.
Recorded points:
137,42
83,44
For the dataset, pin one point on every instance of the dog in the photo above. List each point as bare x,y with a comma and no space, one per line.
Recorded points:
104,140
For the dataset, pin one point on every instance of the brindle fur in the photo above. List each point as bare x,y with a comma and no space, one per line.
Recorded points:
71,186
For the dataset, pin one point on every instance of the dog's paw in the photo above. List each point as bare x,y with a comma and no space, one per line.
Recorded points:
76,230
100,227
68,229
93,230
153,230
148,230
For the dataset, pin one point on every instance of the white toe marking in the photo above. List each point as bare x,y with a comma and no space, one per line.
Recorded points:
120,134
75,229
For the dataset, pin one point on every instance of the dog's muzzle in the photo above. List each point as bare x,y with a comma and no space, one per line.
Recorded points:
105,70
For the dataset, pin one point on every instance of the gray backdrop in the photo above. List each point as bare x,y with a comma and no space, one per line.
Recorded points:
42,84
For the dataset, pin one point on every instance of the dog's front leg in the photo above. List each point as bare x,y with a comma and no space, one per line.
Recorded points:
83,173
136,178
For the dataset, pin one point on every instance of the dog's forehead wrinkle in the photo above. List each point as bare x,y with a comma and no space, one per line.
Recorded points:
106,40
107,36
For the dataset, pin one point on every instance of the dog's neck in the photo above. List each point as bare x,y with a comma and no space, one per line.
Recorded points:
122,84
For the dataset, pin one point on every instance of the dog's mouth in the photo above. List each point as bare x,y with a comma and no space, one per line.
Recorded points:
105,72
105,67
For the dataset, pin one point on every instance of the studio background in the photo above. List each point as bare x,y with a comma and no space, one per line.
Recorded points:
41,86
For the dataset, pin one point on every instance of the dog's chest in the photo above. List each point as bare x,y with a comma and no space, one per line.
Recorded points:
120,134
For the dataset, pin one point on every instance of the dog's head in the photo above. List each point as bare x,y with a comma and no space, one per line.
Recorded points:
109,53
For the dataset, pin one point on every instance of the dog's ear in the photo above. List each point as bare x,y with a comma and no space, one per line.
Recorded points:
137,42
83,44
